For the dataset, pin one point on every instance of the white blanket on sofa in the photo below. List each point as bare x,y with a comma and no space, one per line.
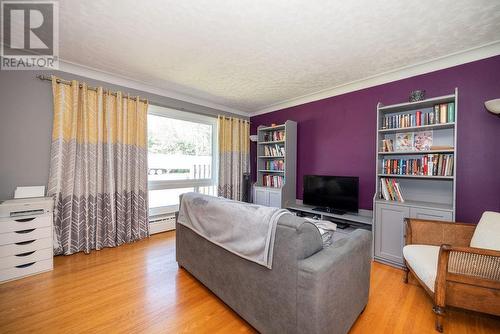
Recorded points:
247,230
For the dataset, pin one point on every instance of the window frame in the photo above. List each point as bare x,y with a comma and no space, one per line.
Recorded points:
189,183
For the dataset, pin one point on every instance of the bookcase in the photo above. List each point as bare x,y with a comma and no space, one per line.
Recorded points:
276,165
416,169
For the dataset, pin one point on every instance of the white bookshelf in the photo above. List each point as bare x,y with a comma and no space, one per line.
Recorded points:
264,194
425,196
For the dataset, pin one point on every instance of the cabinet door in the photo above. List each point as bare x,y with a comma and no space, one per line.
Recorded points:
261,197
275,199
389,232
431,214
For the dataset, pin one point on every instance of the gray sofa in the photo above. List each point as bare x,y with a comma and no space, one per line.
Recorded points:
308,290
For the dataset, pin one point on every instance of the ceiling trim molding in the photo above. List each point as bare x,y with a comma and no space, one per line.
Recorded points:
92,73
454,59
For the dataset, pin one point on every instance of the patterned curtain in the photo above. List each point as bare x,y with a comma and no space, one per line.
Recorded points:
98,168
234,156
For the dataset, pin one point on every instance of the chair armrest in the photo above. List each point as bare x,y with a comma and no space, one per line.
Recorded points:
333,285
470,265
471,273
473,250
437,233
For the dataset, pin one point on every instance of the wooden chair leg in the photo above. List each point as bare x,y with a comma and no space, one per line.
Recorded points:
440,286
439,317
405,279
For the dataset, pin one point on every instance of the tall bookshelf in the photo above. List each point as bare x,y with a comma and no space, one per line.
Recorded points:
276,165
426,195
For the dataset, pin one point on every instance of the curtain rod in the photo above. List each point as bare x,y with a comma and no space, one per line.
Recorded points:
66,82
234,118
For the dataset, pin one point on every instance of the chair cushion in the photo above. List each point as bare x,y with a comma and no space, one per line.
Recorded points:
487,232
423,260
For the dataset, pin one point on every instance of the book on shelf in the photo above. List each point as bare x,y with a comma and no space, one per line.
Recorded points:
443,113
440,114
387,145
427,165
277,165
274,150
274,135
274,181
451,112
390,190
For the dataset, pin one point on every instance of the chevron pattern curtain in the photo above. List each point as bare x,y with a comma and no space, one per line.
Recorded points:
98,168
234,156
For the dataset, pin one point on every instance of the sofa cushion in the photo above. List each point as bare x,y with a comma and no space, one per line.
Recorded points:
423,260
487,233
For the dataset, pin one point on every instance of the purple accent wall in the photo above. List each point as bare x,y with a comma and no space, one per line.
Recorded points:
337,135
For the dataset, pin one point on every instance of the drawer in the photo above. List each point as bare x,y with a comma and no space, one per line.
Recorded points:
25,235
432,214
24,223
25,258
25,246
37,267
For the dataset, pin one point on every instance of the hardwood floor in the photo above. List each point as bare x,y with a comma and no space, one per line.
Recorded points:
138,288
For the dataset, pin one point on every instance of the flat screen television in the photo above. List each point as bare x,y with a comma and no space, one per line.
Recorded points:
338,194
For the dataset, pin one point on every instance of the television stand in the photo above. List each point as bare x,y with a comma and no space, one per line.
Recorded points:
346,223
330,210
363,218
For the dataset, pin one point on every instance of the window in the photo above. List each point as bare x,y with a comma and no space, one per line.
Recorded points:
181,156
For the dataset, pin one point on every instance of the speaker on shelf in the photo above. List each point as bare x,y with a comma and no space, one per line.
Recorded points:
247,188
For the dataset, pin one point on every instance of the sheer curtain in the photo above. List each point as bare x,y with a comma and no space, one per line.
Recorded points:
98,168
234,156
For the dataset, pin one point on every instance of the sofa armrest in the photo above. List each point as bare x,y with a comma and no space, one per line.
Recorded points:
437,233
333,285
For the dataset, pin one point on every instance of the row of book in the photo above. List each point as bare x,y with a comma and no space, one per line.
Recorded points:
278,165
274,150
427,165
390,190
441,114
444,113
274,136
275,181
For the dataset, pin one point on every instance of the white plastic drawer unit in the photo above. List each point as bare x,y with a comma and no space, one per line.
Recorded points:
26,246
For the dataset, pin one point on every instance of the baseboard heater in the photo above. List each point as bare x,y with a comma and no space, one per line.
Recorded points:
161,223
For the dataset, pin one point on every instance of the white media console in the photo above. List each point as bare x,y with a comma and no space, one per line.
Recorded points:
363,219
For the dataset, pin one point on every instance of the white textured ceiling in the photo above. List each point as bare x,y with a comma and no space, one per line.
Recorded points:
249,54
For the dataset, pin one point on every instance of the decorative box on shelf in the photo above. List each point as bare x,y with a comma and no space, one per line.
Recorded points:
26,246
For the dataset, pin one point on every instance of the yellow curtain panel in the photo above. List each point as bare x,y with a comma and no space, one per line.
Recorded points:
90,116
98,170
234,155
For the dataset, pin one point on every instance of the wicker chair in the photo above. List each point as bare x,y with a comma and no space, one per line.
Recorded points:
463,276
